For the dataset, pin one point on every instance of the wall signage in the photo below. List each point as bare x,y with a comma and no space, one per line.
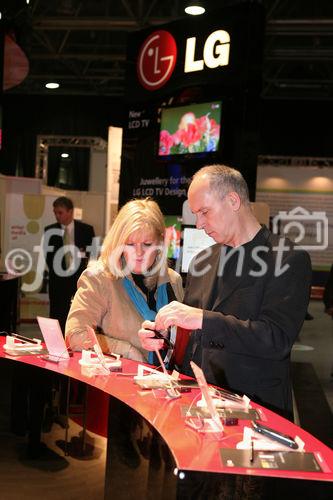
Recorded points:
223,48
156,59
158,55
215,53
136,120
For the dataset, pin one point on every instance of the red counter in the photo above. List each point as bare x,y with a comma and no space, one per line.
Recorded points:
191,451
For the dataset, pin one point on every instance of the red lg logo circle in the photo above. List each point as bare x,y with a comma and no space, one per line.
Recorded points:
157,59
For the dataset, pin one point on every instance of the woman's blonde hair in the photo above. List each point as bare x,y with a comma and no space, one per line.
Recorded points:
143,215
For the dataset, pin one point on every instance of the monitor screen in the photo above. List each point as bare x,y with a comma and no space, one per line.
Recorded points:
173,233
190,129
194,240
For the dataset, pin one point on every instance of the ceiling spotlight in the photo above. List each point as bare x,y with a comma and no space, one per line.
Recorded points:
52,85
64,155
194,8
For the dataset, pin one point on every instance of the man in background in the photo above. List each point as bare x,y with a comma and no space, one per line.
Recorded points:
67,244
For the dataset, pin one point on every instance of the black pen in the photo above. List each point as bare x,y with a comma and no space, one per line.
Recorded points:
26,339
252,452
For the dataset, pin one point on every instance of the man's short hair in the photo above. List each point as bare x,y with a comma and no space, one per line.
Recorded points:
224,179
63,201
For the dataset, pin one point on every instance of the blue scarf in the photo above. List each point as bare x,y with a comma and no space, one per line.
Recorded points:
142,307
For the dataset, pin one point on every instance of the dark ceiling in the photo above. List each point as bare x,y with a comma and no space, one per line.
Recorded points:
82,43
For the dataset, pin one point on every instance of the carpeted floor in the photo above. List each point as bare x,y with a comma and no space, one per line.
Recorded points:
313,409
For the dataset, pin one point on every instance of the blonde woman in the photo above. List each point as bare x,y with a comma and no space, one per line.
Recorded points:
129,283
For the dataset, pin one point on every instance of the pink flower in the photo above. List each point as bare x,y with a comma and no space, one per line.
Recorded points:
189,136
214,128
203,124
166,142
176,137
208,126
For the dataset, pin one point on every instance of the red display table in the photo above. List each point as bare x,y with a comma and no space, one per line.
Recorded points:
189,450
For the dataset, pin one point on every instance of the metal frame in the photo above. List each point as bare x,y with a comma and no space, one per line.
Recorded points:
70,141
300,161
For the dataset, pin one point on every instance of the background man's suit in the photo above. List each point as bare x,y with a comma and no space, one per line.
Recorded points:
247,348
62,289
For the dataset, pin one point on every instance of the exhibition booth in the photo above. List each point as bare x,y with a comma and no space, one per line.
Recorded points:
192,92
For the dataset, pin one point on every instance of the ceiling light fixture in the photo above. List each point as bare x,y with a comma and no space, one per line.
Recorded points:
194,8
64,155
52,85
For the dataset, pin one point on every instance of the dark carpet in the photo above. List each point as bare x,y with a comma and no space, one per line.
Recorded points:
315,417
314,411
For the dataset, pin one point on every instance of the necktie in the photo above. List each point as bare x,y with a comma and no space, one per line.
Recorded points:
67,256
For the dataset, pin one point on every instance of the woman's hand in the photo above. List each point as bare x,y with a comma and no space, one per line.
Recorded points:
146,336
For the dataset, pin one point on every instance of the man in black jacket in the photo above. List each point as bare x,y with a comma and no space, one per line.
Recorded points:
328,294
66,247
328,298
246,296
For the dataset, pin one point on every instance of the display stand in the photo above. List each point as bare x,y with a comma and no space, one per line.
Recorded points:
17,347
93,364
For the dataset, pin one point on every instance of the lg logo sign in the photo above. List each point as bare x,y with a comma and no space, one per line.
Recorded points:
158,55
215,52
157,59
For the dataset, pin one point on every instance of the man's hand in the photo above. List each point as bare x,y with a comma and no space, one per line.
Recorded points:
179,314
146,336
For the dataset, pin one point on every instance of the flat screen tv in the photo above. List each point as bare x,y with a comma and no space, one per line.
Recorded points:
194,240
172,235
193,129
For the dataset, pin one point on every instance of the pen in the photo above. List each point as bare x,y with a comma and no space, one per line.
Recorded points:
252,452
26,339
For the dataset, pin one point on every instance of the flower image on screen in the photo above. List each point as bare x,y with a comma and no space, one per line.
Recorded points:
172,235
194,128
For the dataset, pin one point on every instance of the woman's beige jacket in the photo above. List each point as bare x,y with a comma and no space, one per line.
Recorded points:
102,301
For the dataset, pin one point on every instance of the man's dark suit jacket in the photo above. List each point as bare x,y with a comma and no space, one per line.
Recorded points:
250,322
328,291
62,288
